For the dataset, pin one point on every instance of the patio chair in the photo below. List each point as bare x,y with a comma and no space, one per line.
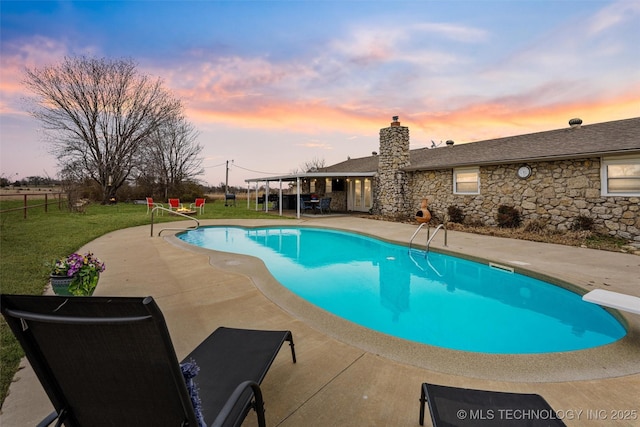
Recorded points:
273,200
305,205
109,361
174,204
458,407
151,204
198,205
325,205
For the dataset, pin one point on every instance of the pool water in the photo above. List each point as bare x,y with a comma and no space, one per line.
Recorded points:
432,299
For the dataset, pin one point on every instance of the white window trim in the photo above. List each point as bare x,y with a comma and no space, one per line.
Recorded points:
604,179
465,170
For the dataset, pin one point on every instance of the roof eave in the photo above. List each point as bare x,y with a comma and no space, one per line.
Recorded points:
524,159
293,177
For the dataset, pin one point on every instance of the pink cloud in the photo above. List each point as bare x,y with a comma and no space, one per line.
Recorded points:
494,119
16,58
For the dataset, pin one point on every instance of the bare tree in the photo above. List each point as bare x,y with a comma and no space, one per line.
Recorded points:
100,115
313,165
174,154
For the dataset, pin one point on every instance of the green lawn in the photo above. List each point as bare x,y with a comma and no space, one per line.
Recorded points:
28,245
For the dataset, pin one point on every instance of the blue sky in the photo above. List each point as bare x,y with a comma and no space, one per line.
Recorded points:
274,84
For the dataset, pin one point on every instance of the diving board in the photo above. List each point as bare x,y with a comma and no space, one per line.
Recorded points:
614,300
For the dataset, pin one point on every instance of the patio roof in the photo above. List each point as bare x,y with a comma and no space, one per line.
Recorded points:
302,175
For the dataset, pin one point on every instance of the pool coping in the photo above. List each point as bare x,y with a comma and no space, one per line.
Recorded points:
617,359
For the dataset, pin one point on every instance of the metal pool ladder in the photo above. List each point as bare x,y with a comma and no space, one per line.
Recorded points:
429,236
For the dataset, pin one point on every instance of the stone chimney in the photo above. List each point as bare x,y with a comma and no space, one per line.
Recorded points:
389,199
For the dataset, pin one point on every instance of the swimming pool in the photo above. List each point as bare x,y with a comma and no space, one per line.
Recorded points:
437,299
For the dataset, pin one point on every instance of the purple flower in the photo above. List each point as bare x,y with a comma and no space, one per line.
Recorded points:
76,264
84,269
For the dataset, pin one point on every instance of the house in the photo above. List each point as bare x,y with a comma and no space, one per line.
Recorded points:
553,176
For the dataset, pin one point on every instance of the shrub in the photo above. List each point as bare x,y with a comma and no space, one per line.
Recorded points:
508,217
536,226
435,218
455,214
475,222
582,223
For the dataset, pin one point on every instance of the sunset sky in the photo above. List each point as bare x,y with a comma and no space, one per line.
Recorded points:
274,84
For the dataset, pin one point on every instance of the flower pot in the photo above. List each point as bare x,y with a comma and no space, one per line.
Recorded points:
85,284
60,284
85,270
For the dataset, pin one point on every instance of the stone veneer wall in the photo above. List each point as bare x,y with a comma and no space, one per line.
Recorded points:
556,192
391,181
338,201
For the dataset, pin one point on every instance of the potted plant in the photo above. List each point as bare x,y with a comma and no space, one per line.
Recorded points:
76,274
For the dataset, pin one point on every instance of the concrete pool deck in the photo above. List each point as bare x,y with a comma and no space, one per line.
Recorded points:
347,375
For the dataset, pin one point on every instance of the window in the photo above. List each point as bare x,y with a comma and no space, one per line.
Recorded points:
466,181
357,194
367,193
337,184
620,176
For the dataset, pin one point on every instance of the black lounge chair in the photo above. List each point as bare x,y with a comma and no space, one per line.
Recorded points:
109,361
460,407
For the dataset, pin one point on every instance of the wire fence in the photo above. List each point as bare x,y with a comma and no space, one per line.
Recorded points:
50,199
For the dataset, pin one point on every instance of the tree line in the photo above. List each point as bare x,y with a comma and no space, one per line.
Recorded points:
30,181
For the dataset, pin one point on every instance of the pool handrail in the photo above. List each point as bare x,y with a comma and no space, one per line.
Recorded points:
434,235
429,236
161,208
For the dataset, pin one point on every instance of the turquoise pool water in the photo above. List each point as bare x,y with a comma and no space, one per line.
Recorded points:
438,300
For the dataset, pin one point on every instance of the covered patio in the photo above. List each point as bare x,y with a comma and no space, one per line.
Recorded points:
290,189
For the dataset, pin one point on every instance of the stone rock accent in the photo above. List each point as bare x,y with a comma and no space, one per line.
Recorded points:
338,201
556,193
391,181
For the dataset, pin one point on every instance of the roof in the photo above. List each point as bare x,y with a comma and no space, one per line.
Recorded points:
617,137
362,164
609,138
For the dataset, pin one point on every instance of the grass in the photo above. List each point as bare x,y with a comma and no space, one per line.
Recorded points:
28,245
